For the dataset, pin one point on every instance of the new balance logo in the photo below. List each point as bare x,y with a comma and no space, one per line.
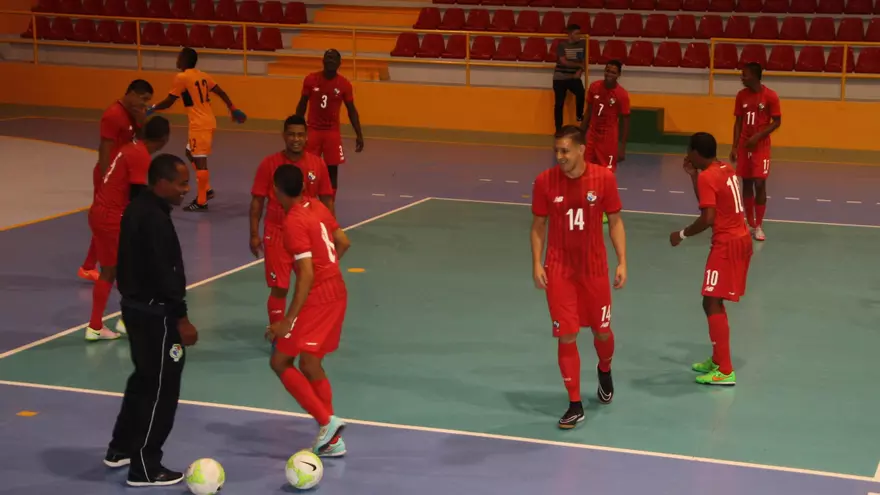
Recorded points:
558,199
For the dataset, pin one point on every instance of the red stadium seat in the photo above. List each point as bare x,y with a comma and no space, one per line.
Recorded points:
429,18
581,19
444,2
657,26
83,30
671,5
793,28
604,24
248,11
551,52
811,59
456,47
617,4
684,26
453,20
70,7
127,33
432,46
877,8
176,35
204,9
668,54
553,23
509,49
696,56
725,56
272,11
152,34
502,22
227,10
160,9
830,7
695,6
749,6
821,29
835,60
858,7
641,54
873,34
43,28
775,6
869,60
253,39
738,26
182,9
483,48
470,2
93,7
477,20
851,29
535,50
527,22
200,36
60,29
46,6
590,4
223,37
802,7
137,8
541,3
721,5
407,45
594,53
752,53
711,26
295,13
565,4
270,39
766,28
107,32
630,26
613,50
781,58
643,4
115,8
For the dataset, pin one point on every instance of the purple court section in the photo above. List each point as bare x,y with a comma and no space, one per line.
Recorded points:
253,448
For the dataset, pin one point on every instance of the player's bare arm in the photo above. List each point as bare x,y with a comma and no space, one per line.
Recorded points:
340,243
624,137
703,222
753,141
165,104
355,120
538,237
304,279
329,202
237,114
587,114
737,128
256,213
302,106
618,240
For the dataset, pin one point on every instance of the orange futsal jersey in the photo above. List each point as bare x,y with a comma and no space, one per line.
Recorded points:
194,86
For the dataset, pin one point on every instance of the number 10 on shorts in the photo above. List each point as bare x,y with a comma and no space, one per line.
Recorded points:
711,278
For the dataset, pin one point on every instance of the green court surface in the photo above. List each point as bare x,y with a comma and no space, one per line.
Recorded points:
446,330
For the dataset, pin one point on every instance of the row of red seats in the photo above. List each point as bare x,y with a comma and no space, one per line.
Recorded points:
154,33
226,10
852,7
683,26
641,53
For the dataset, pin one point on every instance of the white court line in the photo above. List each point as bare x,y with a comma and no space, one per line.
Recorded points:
823,200
379,194
649,190
676,192
197,284
670,214
600,448
792,199
854,202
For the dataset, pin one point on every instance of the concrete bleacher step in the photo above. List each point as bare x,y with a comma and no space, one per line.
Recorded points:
303,62
323,40
367,16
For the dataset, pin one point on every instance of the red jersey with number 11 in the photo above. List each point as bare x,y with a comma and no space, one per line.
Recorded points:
718,187
308,233
574,208
757,110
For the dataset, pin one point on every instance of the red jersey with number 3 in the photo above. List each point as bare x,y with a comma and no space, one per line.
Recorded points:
118,126
607,107
325,99
757,110
129,166
308,233
718,187
574,208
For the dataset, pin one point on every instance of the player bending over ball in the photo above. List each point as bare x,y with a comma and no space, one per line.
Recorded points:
313,324
572,197
727,268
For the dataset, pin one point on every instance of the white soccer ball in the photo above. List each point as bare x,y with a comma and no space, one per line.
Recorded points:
304,470
205,477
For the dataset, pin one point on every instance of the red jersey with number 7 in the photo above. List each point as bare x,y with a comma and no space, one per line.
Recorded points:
607,106
757,110
325,99
308,233
718,187
574,208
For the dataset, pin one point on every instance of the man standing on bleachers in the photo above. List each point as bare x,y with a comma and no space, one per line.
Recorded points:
570,66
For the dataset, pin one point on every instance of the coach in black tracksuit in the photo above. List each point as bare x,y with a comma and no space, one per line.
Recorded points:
152,282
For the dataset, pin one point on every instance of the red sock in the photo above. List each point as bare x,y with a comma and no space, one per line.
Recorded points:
759,214
605,351
325,393
275,307
750,209
719,332
301,390
570,366
100,295
91,261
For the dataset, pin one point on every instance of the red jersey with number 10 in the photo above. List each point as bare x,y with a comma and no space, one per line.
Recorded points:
308,233
757,110
325,99
718,187
574,208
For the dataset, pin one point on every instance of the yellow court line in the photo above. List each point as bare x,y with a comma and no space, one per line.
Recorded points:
465,143
43,219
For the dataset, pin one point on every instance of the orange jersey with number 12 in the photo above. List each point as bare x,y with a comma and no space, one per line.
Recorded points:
195,86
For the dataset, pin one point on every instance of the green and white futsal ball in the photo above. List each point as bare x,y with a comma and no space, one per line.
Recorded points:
205,477
304,470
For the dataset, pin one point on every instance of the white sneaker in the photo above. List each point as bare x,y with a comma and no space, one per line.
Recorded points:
120,327
103,334
759,234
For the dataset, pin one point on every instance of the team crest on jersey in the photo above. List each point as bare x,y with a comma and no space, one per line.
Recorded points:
591,197
336,90
312,176
176,352
760,106
612,101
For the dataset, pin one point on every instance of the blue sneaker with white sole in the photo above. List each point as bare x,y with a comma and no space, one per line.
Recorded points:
336,449
327,432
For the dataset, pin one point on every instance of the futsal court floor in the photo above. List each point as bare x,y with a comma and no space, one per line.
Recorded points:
447,368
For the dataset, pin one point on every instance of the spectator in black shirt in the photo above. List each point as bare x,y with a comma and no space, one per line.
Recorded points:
152,282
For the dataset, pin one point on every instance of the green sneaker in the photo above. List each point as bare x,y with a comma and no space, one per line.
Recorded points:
716,377
706,366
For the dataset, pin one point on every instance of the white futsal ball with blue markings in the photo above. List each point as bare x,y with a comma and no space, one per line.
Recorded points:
205,477
304,470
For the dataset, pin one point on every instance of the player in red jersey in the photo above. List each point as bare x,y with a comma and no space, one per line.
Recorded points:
727,268
312,326
278,262
568,203
758,115
323,93
125,178
119,125
607,106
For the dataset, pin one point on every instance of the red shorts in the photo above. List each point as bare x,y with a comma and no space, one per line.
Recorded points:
105,233
753,164
278,264
316,330
579,303
727,269
327,145
601,151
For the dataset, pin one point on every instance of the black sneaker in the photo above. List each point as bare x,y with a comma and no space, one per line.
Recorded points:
194,206
572,417
605,392
116,459
158,477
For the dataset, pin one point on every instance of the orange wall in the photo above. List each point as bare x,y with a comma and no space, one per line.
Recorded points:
14,24
524,111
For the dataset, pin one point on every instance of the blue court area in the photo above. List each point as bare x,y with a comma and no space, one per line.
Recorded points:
479,416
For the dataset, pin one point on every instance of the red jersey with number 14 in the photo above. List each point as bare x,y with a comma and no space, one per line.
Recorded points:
308,233
574,208
718,187
129,166
325,99
757,110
